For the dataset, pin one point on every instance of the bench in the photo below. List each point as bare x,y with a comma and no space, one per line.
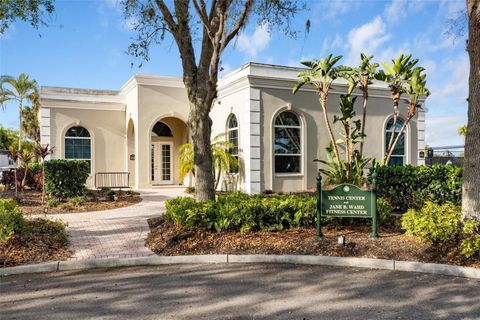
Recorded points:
112,180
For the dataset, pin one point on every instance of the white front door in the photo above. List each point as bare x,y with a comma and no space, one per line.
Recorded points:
161,158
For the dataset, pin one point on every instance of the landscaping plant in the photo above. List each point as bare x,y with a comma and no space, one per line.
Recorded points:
11,219
361,77
321,74
403,77
43,152
242,212
65,178
223,160
433,223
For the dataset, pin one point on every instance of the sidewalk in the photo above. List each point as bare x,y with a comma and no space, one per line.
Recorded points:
117,233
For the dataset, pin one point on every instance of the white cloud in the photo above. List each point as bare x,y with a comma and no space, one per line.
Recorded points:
251,45
366,38
399,9
456,88
331,9
396,11
330,45
443,130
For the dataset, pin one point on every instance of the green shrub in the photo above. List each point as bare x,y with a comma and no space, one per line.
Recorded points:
78,201
52,203
384,210
91,195
470,243
11,219
65,178
433,223
241,212
66,206
190,190
407,187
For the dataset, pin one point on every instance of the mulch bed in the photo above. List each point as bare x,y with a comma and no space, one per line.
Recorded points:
166,238
31,203
47,243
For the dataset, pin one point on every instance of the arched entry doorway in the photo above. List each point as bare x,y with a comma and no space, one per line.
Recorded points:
166,137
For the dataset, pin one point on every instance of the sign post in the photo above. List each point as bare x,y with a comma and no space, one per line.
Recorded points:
347,201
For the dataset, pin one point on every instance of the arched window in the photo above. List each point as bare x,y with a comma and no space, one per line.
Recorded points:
288,144
160,129
232,136
78,145
398,155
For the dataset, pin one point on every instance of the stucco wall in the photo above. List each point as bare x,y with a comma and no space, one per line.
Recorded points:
315,136
154,104
229,103
106,129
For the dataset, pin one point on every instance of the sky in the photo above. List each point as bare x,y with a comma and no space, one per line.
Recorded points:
85,46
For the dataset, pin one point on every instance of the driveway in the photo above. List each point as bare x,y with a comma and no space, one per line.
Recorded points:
117,232
238,292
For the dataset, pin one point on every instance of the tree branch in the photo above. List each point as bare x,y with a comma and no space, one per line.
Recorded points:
167,16
239,24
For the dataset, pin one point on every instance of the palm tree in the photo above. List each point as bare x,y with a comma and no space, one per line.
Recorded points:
223,160
30,124
397,76
362,77
321,75
415,88
43,152
21,90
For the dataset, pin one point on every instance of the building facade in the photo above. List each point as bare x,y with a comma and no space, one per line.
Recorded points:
140,128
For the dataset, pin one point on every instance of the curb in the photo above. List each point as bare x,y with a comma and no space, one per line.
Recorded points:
405,266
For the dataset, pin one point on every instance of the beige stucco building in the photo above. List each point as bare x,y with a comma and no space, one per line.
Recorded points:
140,128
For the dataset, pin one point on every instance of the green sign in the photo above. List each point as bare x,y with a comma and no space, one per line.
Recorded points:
347,200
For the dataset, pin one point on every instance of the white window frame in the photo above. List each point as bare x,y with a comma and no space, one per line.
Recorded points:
405,135
300,127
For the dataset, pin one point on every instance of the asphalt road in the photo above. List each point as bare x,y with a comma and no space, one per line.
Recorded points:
238,292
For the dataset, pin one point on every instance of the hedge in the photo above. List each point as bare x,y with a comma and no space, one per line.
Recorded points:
242,212
410,187
65,178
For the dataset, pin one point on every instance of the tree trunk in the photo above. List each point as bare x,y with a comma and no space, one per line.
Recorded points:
471,182
20,126
323,103
364,117
201,128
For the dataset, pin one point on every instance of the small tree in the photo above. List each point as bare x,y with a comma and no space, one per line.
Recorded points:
321,75
43,152
399,77
223,160
21,89
361,77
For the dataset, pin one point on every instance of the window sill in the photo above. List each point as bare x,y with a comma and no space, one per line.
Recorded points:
289,174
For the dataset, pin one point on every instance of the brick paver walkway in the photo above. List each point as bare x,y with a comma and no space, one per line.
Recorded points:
118,232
